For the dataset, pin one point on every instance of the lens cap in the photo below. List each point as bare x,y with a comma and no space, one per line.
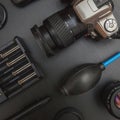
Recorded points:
68,114
22,3
3,16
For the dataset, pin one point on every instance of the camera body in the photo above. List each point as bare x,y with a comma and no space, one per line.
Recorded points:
98,15
90,18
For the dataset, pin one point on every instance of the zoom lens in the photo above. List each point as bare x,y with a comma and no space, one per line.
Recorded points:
111,98
59,30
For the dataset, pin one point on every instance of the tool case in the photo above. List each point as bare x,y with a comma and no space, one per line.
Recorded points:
17,69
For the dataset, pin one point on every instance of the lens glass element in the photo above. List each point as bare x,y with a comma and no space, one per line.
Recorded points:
117,100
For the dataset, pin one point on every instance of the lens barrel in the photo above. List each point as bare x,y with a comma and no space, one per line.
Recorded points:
111,98
59,30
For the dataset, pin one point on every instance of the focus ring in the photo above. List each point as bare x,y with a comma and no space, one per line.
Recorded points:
60,27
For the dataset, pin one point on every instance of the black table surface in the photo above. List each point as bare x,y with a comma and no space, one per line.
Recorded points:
20,20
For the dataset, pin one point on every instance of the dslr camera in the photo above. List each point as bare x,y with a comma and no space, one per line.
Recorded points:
90,18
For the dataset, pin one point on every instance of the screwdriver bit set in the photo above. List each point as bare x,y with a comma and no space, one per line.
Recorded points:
17,69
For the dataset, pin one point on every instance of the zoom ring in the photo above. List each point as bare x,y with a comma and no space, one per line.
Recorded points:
64,34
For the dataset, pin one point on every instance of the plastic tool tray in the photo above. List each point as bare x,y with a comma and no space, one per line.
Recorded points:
17,70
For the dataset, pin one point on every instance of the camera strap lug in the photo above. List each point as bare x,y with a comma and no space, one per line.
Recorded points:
90,28
91,31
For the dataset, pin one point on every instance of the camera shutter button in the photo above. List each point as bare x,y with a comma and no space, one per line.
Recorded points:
110,25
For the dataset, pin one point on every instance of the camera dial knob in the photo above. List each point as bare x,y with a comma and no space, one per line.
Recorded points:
110,25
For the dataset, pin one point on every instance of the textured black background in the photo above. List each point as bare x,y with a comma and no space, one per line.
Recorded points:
20,20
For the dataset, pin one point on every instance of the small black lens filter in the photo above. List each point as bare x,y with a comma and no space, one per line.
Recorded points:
3,16
68,114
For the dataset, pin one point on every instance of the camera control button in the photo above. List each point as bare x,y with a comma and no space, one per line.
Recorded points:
110,25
